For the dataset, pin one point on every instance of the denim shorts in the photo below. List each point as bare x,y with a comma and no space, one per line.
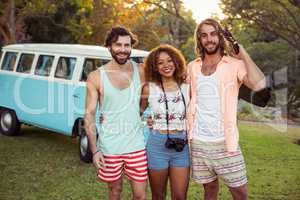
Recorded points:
160,157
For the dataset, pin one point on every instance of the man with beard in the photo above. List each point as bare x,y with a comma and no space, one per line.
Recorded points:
120,147
215,79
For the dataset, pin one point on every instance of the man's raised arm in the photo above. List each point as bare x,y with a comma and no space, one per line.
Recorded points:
255,78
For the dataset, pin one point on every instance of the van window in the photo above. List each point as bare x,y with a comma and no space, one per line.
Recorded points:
9,61
43,65
25,63
65,67
138,59
91,64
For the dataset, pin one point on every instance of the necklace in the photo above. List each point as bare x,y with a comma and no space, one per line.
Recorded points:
208,69
213,64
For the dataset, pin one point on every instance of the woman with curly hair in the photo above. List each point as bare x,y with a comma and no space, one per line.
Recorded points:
167,146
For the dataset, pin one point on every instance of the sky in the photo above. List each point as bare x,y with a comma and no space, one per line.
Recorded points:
203,9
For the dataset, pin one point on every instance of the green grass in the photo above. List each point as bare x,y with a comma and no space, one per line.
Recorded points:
40,165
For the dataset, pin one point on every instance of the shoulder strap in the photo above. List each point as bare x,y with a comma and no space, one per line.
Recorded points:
103,77
135,67
101,73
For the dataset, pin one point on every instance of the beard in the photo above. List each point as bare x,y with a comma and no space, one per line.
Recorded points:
120,61
212,51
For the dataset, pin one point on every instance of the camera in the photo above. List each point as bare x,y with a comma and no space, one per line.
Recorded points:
175,143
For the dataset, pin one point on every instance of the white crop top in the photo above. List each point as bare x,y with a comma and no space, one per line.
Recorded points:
177,116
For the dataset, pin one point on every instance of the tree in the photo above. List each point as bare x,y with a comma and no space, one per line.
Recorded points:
47,20
11,24
7,21
179,22
42,20
278,17
176,24
155,22
270,30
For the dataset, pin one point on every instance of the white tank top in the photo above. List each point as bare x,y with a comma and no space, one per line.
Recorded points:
177,116
209,125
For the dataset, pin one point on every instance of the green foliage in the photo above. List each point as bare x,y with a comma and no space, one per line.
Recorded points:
273,55
87,21
188,49
279,18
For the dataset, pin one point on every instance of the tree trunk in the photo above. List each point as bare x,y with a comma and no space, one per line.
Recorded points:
8,23
174,23
12,21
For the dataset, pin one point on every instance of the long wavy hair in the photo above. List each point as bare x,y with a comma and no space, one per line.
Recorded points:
151,70
199,49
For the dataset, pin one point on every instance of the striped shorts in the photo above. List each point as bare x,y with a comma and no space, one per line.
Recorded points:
133,164
210,161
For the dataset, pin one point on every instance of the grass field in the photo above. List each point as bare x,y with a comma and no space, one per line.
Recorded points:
40,165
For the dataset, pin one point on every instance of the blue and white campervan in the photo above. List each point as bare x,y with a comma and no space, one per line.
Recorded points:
44,85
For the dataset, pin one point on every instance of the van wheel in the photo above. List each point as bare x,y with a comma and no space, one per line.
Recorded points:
9,123
84,148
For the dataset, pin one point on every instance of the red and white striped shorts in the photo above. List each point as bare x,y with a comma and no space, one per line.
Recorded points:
133,164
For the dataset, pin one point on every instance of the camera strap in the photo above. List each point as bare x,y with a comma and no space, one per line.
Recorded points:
167,107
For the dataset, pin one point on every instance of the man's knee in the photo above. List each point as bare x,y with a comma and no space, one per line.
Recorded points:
139,191
141,195
115,189
211,190
212,186
239,193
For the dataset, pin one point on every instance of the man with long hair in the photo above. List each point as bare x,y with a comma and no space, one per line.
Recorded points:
120,148
215,80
